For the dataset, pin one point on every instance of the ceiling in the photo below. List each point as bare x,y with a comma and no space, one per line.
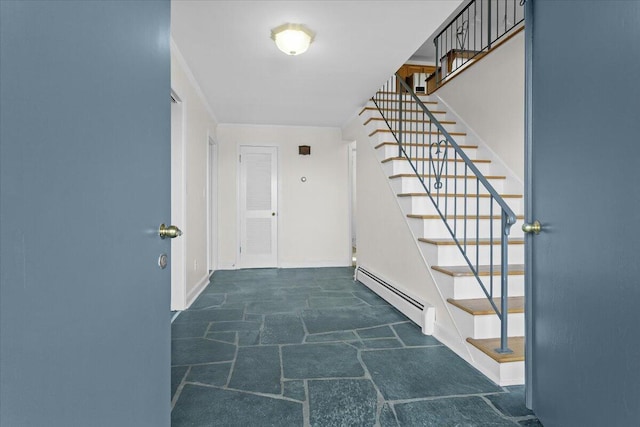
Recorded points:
247,80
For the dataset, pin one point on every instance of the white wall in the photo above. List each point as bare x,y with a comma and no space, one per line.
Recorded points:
199,123
313,217
489,98
386,245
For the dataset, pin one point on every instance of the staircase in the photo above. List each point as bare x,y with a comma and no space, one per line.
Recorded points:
468,304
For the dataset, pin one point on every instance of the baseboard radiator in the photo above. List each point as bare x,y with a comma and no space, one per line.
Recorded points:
420,312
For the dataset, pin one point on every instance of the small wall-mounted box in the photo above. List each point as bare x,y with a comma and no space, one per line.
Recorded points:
304,150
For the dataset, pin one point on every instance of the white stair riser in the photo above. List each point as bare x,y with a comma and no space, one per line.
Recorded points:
395,167
436,229
407,102
467,287
387,151
422,205
503,374
412,126
412,114
451,254
486,326
415,137
413,185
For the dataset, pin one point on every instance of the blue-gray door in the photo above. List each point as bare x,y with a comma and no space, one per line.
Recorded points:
84,179
584,152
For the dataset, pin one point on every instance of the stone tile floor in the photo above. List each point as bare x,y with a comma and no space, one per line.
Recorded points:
311,347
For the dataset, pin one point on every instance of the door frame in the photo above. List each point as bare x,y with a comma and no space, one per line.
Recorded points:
179,209
212,203
239,263
528,211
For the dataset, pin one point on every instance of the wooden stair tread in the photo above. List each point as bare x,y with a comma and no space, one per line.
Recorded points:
412,110
470,217
482,307
404,101
386,92
483,270
419,159
488,346
426,122
470,195
470,241
417,144
418,132
413,175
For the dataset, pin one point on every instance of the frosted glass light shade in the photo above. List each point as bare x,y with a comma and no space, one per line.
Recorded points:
292,39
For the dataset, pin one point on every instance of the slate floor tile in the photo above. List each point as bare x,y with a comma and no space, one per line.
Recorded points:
424,372
320,361
282,329
534,422
294,389
377,332
301,337
214,374
511,404
208,300
257,369
411,335
338,284
177,374
239,325
285,305
228,337
202,406
342,403
339,319
321,302
248,338
332,336
193,351
461,412
387,418
209,315
189,329
369,297
382,343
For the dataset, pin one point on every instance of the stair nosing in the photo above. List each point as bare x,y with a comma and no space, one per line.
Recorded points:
421,159
413,175
471,217
463,304
470,241
516,356
470,195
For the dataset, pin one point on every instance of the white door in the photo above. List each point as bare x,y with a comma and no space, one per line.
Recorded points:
258,207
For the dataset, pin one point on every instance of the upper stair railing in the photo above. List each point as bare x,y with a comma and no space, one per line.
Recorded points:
472,34
460,193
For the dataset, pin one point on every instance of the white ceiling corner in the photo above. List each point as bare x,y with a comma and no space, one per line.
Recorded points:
247,80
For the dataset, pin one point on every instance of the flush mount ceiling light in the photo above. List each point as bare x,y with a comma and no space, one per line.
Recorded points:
292,39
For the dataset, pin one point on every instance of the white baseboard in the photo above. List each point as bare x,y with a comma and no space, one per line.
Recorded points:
317,264
416,309
198,288
306,264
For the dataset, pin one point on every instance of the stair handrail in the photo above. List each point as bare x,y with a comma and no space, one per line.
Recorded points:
396,86
472,33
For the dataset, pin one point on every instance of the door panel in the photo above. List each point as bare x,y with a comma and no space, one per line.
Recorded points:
84,179
584,339
258,207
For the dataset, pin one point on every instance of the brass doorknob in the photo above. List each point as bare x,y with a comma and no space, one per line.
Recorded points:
171,231
534,228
